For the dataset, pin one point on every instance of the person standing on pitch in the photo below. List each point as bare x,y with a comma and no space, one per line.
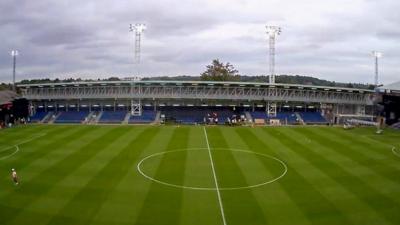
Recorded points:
14,176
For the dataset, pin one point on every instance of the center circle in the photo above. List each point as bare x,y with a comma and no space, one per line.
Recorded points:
7,152
395,151
261,181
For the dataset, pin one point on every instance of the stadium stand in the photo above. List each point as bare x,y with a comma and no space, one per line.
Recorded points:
284,117
193,102
259,115
396,126
196,115
148,116
50,115
38,116
361,122
112,116
221,114
183,115
313,118
71,117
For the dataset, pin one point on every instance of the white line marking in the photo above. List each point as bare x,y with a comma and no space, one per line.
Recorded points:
139,169
395,152
23,142
215,178
380,142
17,148
8,156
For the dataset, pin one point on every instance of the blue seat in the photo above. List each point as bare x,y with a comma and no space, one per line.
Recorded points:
259,115
72,117
38,116
289,117
195,115
112,117
312,117
148,116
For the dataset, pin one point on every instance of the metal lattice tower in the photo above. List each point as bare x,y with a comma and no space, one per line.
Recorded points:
138,29
14,54
273,32
376,56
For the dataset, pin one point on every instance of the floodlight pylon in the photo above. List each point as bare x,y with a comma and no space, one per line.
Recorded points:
138,28
376,56
272,32
14,54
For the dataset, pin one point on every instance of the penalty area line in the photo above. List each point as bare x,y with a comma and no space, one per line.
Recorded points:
215,178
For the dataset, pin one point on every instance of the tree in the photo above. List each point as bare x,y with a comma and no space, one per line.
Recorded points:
219,71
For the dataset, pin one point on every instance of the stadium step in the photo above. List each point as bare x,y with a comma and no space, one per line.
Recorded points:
249,117
126,119
158,117
89,117
54,117
300,119
98,117
47,117
396,125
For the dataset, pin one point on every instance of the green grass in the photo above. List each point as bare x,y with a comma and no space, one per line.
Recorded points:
88,175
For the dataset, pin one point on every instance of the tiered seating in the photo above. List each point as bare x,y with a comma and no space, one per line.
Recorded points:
312,117
112,116
148,116
71,117
259,115
396,125
38,116
184,115
223,114
192,115
289,117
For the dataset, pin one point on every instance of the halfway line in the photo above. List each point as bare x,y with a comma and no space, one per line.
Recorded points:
215,179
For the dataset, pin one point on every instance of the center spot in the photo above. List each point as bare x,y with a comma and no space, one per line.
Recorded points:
191,168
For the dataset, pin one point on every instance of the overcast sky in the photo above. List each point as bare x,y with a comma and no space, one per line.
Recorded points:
329,39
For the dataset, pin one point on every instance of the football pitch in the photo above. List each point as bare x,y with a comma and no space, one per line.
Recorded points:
195,175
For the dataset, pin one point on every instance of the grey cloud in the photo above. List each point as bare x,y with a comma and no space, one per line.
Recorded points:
90,38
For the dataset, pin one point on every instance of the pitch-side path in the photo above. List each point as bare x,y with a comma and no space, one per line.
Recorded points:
215,179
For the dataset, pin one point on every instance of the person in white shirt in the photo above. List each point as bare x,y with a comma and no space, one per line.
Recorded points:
14,176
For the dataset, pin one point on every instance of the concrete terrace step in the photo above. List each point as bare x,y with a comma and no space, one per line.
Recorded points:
98,117
126,119
54,117
47,117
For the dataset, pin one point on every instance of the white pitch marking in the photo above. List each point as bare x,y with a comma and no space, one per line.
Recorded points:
208,188
17,148
8,156
393,148
395,152
215,178
23,142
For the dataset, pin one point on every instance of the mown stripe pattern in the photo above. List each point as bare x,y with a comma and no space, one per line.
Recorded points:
87,175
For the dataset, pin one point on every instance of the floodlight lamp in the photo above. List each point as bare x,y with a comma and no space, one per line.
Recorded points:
377,54
273,30
139,27
14,52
